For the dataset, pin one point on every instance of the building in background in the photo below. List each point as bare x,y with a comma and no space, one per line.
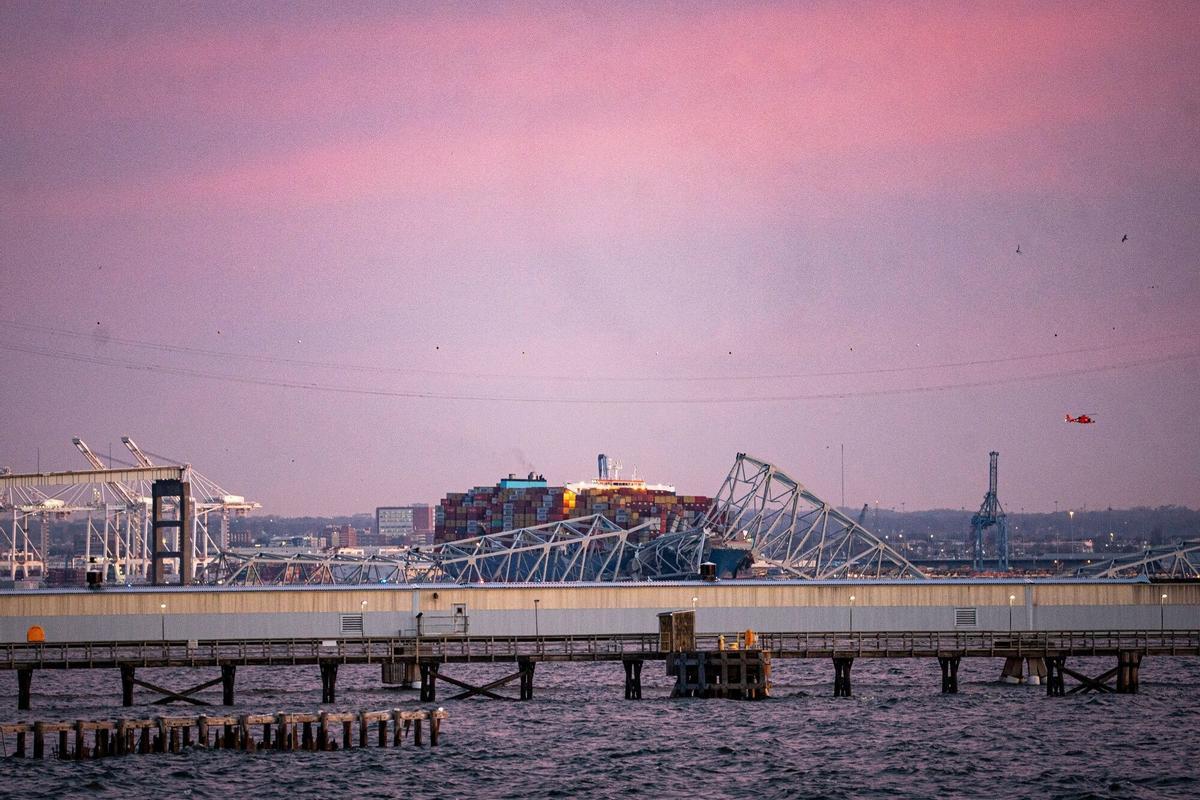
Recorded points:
340,536
404,525
526,502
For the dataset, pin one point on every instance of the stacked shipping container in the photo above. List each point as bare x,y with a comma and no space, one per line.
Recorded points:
513,504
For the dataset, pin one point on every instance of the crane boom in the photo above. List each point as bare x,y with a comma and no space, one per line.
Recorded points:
138,455
121,489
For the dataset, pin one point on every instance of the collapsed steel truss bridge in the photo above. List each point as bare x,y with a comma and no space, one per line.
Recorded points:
1179,561
760,518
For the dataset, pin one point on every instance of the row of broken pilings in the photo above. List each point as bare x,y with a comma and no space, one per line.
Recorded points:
322,731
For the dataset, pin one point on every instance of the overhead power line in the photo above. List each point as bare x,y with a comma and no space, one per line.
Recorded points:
377,369
377,392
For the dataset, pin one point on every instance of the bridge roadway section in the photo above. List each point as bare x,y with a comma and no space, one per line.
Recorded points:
404,627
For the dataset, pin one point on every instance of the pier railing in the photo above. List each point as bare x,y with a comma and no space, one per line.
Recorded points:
611,647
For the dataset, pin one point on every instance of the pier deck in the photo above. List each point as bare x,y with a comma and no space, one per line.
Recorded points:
614,647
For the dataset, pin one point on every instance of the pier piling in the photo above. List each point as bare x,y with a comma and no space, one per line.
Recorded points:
841,675
949,666
84,739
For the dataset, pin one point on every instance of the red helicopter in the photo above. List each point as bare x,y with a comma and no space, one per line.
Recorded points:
1083,419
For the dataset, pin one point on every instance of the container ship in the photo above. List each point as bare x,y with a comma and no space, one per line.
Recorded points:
516,502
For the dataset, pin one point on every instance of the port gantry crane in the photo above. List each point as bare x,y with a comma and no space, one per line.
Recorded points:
124,543
27,504
990,513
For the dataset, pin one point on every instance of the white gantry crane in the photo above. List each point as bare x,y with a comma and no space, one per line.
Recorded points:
24,506
123,538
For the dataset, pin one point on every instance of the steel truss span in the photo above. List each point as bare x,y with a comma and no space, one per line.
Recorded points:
760,515
1179,561
794,533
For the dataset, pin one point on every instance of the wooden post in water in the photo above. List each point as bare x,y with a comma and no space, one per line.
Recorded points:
24,686
228,672
949,666
127,674
841,675
174,734
633,678
1055,681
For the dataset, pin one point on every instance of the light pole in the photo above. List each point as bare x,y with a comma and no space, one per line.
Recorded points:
851,613
1071,524
162,616
694,599
1162,612
1011,598
363,606
536,630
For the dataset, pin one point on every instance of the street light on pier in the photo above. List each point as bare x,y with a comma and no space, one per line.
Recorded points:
363,606
1162,612
536,630
1011,598
162,615
851,613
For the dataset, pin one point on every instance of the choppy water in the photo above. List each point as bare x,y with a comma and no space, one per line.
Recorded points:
897,737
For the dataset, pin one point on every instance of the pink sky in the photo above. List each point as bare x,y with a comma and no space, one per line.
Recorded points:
541,202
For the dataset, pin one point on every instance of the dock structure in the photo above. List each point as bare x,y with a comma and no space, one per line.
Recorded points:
84,739
427,659
418,634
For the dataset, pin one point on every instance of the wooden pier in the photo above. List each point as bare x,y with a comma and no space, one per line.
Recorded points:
322,731
427,659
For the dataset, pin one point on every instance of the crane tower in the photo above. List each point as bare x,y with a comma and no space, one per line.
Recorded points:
990,513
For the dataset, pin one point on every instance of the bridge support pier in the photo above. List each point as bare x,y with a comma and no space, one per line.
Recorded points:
403,673
841,675
1128,662
1023,670
633,678
949,666
328,682
24,686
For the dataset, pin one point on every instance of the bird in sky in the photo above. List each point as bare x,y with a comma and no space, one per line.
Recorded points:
1018,249
1125,238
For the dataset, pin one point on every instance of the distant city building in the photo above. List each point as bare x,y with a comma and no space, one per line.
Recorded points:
404,524
394,522
341,536
530,501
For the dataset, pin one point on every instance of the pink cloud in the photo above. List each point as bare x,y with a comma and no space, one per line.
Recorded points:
752,105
